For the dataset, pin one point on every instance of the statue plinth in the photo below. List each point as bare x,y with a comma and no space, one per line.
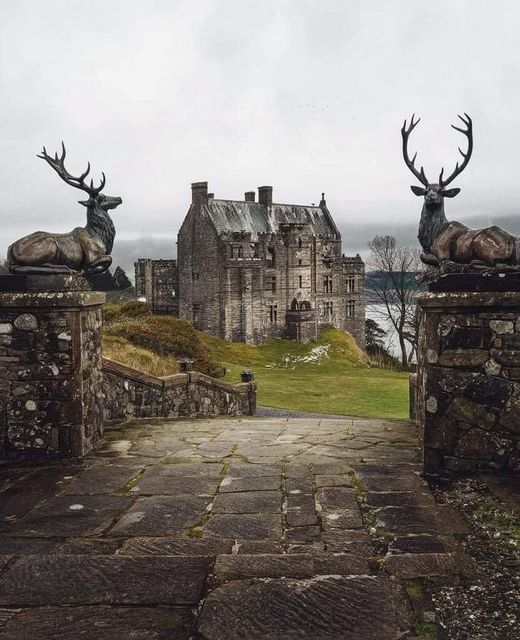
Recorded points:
50,367
501,281
468,380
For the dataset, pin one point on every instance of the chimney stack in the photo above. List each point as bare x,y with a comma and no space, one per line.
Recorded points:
323,202
249,196
199,193
211,196
265,196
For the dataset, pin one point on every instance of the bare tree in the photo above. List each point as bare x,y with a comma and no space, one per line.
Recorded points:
395,288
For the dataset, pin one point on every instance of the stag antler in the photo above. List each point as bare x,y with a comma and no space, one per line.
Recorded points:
468,132
58,165
410,163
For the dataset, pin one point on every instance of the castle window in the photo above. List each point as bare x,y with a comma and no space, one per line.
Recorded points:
299,262
270,255
196,314
300,281
351,284
273,312
194,275
351,308
328,310
299,243
273,284
327,284
240,252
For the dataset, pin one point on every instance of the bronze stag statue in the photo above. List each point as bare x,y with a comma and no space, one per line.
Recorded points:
85,249
451,246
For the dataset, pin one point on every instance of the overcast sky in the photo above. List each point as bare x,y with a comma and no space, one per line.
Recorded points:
308,96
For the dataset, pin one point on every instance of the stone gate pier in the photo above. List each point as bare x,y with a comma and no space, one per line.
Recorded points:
468,380
50,366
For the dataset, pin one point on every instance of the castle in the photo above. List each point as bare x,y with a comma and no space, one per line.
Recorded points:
249,270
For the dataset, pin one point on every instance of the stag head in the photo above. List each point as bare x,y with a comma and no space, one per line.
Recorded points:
435,192
96,199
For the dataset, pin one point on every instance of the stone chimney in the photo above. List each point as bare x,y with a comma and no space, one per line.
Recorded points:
211,196
199,193
265,195
323,202
249,196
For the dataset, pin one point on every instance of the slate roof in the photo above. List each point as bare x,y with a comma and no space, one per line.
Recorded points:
255,218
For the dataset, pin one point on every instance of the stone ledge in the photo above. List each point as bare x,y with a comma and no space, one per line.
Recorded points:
469,299
52,299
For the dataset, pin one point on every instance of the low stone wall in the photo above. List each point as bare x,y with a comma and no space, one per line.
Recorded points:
132,394
468,385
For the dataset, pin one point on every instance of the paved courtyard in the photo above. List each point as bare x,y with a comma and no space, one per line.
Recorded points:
225,529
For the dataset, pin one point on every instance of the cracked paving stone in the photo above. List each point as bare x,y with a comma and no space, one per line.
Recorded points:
86,546
248,502
409,520
255,483
241,567
341,519
421,544
71,516
100,623
302,534
31,580
161,515
328,608
245,526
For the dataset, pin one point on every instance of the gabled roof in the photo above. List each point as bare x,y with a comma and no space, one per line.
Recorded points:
253,217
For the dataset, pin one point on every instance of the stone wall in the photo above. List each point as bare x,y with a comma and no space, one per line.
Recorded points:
132,394
50,373
468,385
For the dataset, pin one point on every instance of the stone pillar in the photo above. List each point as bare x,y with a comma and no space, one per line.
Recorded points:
51,400
468,381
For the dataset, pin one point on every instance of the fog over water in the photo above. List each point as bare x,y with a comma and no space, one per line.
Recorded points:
306,96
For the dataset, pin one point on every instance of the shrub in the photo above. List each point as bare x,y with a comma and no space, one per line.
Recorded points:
130,309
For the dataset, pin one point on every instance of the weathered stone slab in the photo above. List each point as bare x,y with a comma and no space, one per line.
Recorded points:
86,546
333,481
295,565
341,519
337,497
421,544
65,516
302,534
248,502
10,546
254,470
399,498
58,580
206,469
161,515
409,520
102,479
100,623
176,547
245,526
426,565
253,483
155,482
329,608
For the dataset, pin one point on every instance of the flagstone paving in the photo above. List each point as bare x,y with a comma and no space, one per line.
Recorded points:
225,528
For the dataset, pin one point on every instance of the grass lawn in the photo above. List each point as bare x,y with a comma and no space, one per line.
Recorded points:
331,375
339,383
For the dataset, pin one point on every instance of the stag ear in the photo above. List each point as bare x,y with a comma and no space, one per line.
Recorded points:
450,193
85,203
419,191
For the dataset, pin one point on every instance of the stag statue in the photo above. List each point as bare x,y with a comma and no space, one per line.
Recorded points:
451,246
84,249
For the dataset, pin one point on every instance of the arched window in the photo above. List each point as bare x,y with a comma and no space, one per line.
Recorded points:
294,305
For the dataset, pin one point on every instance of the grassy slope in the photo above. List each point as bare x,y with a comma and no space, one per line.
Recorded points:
341,382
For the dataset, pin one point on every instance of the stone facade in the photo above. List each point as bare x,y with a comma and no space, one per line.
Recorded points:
132,394
468,382
50,373
158,282
248,271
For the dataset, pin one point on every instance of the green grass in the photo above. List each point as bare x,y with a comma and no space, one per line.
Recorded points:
341,382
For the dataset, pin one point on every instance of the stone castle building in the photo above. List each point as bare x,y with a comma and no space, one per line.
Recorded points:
249,270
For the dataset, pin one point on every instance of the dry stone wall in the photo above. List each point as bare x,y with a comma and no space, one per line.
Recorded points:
132,394
468,384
